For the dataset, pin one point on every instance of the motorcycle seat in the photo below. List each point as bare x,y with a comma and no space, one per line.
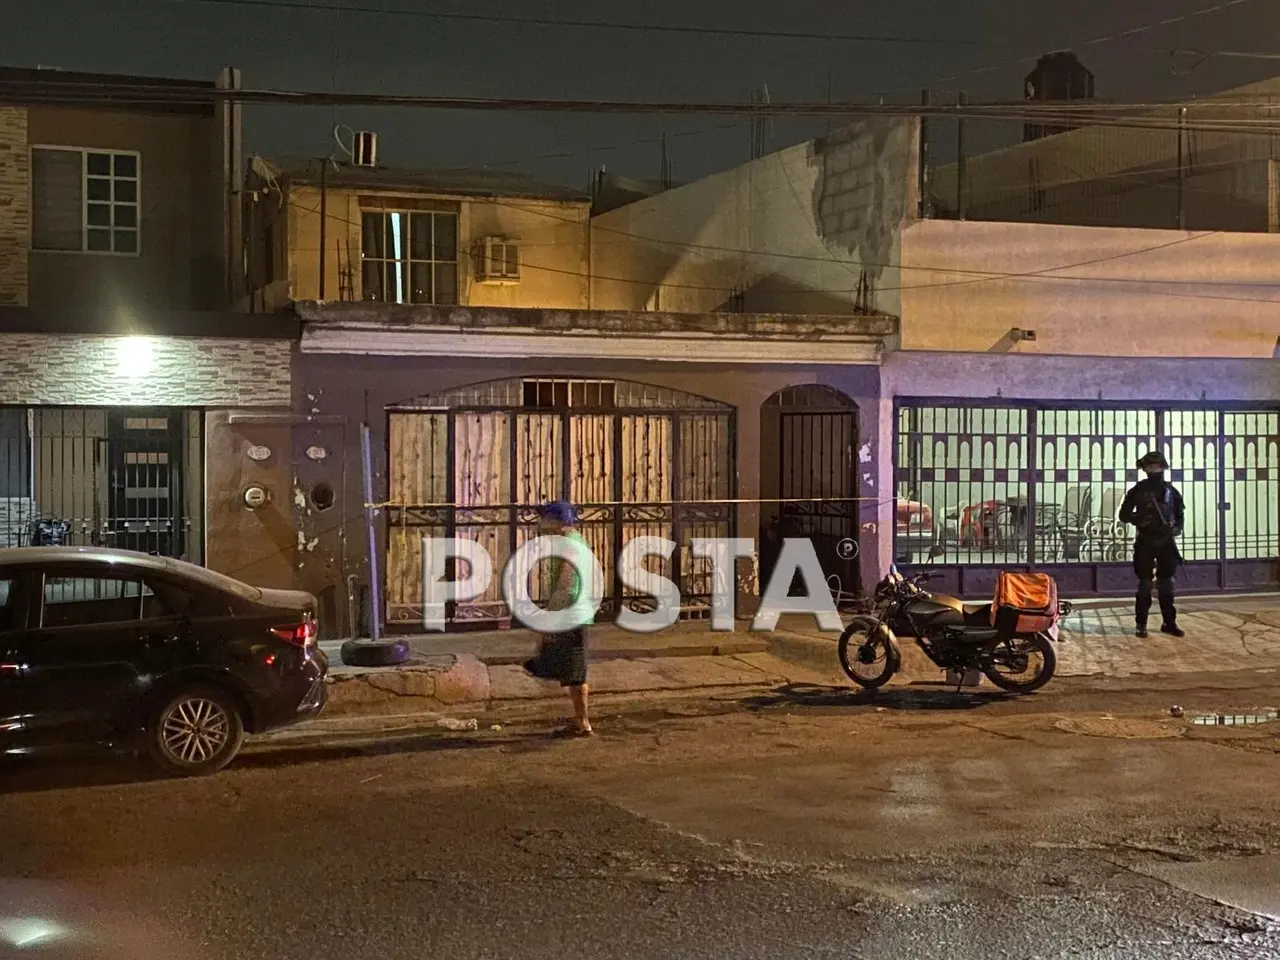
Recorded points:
977,615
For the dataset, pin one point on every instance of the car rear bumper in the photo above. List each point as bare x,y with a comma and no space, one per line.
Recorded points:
304,696
313,703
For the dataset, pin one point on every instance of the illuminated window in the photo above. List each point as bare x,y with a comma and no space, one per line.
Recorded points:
410,257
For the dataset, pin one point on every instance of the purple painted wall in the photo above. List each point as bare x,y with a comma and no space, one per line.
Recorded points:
340,391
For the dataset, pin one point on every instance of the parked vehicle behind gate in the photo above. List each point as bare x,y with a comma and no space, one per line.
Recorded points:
111,647
1009,640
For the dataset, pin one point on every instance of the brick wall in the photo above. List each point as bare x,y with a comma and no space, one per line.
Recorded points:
40,369
15,205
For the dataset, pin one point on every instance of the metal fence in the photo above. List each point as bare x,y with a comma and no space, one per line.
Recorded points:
1200,166
122,478
1040,486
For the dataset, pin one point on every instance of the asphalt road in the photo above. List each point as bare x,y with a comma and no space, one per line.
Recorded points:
808,823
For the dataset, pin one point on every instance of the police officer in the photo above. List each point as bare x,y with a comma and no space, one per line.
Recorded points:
1154,507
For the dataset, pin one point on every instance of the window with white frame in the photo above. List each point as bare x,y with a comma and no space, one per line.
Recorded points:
85,200
499,260
409,256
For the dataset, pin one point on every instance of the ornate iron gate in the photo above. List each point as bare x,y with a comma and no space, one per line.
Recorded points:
1023,486
636,460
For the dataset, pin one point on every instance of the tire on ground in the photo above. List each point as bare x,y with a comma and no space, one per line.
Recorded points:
851,642
1044,646
382,653
225,717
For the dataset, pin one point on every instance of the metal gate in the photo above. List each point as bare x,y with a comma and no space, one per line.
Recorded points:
127,478
817,480
1039,486
636,460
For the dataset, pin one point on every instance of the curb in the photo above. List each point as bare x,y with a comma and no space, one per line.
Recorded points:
449,682
733,648
427,686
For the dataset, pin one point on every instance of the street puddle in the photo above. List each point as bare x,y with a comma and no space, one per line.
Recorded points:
1235,719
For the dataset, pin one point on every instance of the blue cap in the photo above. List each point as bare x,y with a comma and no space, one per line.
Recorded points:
561,511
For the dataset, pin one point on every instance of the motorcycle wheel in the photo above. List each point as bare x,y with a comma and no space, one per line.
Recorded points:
1022,656
869,661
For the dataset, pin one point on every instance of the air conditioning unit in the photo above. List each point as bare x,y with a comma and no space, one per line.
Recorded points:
364,149
499,261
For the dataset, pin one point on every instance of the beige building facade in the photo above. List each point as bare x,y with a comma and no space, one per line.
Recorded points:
1035,359
119,207
135,408
446,238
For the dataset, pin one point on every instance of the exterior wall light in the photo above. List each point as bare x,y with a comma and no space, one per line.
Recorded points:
135,356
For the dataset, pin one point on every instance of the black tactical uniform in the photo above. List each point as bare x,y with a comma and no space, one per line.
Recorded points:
1155,508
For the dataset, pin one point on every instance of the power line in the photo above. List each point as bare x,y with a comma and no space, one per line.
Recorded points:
1030,58
972,276
669,28
620,145
81,93
1238,54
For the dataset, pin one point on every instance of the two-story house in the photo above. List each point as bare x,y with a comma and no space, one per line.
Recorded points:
122,368
349,232
453,313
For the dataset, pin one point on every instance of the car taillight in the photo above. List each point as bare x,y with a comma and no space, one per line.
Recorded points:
299,634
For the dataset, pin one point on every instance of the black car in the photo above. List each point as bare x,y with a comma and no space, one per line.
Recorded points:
102,646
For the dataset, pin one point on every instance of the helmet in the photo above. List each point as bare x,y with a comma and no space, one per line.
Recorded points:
559,511
1153,459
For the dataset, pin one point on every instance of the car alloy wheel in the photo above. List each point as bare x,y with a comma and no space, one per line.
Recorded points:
194,731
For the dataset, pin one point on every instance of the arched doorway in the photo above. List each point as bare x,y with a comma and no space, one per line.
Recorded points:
476,461
808,478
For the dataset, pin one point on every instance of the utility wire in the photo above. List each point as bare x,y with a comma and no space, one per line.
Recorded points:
1032,57
614,25
971,276
57,92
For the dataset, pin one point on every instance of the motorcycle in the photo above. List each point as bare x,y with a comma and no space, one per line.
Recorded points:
954,635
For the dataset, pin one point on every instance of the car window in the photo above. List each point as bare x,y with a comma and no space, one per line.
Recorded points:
84,601
7,596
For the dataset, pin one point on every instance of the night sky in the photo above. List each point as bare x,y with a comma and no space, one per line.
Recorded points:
370,52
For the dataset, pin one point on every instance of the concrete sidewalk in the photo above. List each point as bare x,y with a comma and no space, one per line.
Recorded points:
452,673
608,642
1237,636
475,670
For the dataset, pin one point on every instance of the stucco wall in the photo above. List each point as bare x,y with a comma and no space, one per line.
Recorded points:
1107,175
182,261
795,231
1089,291
54,369
15,205
257,545
552,237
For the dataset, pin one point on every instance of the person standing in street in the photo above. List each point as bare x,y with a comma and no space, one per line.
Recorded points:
562,657
1155,508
